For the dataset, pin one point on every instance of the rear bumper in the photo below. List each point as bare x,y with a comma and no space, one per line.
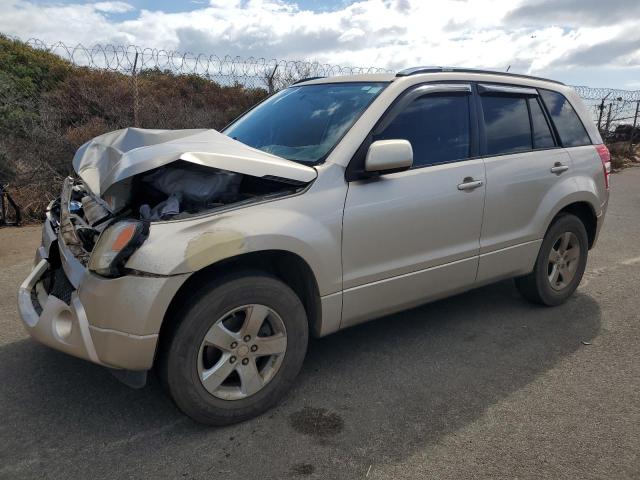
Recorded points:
600,220
111,322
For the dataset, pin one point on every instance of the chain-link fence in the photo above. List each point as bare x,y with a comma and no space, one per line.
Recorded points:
70,94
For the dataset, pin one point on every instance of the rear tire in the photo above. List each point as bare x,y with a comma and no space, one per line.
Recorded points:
216,337
560,265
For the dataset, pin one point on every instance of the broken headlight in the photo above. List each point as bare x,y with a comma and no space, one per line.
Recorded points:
115,245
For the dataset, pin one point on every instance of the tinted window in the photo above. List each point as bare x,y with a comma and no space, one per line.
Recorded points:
506,124
303,123
569,126
437,126
542,137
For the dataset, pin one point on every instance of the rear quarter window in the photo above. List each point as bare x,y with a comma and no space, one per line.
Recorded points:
570,129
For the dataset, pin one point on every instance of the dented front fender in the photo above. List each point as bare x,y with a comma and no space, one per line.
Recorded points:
302,224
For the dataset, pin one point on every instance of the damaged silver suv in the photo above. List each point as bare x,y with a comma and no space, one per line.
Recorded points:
210,257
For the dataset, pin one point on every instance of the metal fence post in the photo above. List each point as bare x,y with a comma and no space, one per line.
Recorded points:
608,124
601,109
2,210
6,200
633,128
136,102
270,84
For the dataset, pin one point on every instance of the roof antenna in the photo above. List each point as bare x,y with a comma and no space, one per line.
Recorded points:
508,68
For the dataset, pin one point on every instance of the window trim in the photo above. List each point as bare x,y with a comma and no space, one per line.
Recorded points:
505,90
510,93
554,135
531,134
483,139
413,94
478,133
553,123
355,169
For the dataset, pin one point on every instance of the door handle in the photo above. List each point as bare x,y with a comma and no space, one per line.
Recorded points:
558,168
469,184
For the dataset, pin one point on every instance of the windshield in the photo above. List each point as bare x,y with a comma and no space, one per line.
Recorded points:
304,123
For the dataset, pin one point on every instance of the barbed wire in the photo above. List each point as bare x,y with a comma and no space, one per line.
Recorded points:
249,71
591,93
609,107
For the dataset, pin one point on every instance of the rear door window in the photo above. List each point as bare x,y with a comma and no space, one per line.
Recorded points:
506,124
572,132
437,126
542,137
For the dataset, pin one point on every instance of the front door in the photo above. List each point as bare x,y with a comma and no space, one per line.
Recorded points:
412,236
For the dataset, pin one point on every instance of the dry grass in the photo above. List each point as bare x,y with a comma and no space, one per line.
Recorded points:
623,155
49,108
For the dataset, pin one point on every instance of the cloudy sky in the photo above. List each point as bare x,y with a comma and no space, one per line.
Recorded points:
581,42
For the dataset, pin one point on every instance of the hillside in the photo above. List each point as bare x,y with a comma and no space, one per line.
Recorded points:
49,107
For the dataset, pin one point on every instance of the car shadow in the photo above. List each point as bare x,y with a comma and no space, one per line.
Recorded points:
374,392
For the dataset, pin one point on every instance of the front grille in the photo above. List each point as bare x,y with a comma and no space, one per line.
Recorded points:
56,283
60,286
36,303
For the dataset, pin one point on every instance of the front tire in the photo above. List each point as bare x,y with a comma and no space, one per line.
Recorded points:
560,265
237,349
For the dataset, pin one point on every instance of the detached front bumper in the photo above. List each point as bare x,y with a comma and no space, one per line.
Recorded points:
111,322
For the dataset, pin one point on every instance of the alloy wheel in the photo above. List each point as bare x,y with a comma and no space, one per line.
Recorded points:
564,259
242,352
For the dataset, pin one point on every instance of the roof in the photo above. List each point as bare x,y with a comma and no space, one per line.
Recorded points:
434,69
366,77
389,77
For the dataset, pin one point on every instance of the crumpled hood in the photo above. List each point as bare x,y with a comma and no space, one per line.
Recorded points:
121,154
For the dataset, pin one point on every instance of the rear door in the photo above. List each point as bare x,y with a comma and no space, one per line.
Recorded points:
414,235
586,162
525,165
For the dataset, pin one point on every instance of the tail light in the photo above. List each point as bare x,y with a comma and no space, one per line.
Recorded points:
603,151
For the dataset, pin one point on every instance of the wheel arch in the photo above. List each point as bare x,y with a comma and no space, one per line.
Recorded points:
287,266
585,211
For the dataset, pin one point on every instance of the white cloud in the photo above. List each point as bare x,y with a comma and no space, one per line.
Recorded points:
113,7
351,34
380,33
220,3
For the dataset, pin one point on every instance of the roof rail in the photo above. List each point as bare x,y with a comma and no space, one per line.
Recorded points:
308,79
433,69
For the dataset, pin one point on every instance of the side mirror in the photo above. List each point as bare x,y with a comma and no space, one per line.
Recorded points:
389,155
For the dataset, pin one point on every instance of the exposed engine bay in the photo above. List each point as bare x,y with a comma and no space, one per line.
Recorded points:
131,178
177,191
183,189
